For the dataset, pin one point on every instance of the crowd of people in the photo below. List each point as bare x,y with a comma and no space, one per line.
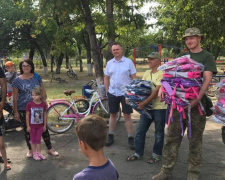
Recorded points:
29,104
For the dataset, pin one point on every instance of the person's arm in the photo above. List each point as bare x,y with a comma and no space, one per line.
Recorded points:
3,94
160,94
133,76
207,76
153,95
15,107
28,120
106,83
45,121
43,92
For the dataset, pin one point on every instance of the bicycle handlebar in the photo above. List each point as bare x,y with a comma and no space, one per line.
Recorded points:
91,83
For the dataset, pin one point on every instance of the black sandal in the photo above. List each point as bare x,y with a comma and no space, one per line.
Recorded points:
2,161
134,158
153,160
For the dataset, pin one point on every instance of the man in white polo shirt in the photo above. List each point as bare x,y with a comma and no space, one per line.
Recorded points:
118,73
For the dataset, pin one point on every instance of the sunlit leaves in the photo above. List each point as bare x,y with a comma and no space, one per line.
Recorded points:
207,15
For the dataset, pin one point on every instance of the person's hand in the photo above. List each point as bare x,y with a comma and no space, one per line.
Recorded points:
16,116
141,105
160,94
193,103
127,101
44,128
28,128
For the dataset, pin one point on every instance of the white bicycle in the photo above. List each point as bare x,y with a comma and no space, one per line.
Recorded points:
62,113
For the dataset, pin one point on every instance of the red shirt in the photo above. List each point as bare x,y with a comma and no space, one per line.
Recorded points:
36,113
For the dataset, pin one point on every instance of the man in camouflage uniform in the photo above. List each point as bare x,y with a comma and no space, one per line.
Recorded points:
173,139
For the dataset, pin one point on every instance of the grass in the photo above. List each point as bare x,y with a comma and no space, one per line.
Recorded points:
55,90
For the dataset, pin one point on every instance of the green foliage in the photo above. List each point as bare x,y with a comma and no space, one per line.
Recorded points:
208,15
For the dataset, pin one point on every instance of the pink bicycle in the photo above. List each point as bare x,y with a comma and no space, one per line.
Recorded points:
62,113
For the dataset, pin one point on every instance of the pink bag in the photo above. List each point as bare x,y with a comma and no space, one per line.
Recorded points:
191,75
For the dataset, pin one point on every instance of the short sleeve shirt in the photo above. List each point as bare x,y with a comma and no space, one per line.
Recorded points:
36,113
25,87
156,79
119,73
205,58
9,76
105,172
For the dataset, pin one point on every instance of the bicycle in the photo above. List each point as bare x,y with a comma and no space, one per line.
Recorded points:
57,79
212,90
9,123
72,73
62,113
212,87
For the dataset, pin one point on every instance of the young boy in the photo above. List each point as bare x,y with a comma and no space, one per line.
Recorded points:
92,134
10,75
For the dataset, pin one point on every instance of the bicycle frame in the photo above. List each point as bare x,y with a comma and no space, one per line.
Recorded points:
71,70
77,115
95,98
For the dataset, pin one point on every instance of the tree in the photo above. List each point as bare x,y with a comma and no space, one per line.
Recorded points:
111,27
19,23
175,16
98,65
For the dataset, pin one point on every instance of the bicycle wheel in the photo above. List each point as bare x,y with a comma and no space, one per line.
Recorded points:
75,76
101,112
212,87
82,105
69,74
56,120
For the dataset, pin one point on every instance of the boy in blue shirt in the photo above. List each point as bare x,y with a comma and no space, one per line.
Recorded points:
92,134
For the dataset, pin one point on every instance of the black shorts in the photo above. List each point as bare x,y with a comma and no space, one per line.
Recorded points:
1,123
114,104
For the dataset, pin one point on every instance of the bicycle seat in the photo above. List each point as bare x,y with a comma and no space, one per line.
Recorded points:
68,93
89,91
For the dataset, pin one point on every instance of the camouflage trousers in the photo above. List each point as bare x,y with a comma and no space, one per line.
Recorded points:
174,138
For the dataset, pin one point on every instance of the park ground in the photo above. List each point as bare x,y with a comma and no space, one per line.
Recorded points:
71,160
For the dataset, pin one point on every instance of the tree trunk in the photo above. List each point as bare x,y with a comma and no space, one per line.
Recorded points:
40,50
88,49
111,28
31,54
67,61
81,65
79,53
98,65
59,63
52,63
89,64
217,52
80,58
27,30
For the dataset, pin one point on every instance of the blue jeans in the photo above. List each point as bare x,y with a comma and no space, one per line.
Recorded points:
158,116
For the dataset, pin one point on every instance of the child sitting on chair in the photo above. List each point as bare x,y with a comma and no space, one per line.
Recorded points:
92,134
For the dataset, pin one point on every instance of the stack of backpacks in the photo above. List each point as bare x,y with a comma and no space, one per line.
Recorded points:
181,82
139,90
219,108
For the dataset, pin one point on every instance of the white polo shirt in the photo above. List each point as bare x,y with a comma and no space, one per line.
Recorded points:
120,74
